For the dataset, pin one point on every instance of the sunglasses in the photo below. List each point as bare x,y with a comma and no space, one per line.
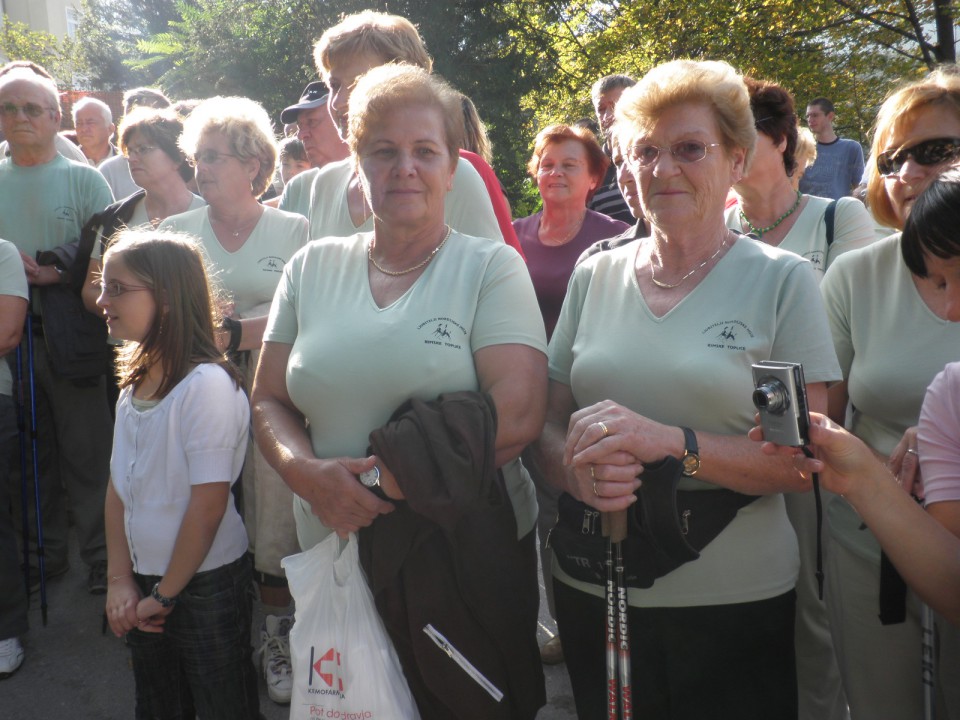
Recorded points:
31,110
685,151
928,152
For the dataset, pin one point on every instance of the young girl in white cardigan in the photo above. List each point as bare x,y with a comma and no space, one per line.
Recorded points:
179,580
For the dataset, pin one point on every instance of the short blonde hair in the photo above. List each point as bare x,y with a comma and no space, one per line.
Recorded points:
380,91
897,112
806,153
392,38
247,128
712,82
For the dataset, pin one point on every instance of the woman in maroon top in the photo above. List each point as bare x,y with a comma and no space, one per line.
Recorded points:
568,166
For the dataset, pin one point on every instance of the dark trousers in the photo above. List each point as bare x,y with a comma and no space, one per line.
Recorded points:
723,662
13,598
199,666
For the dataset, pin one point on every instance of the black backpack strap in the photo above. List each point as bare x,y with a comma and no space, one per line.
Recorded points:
108,220
828,216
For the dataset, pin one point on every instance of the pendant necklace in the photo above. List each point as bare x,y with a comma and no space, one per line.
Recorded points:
396,273
678,283
759,232
572,234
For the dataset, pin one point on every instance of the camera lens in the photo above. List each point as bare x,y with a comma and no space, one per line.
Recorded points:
771,395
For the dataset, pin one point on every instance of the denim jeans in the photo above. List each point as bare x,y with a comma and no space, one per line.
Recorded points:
199,666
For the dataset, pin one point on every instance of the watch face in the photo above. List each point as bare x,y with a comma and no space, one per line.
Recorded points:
691,463
371,477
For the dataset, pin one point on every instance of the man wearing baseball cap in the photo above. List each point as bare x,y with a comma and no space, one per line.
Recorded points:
315,129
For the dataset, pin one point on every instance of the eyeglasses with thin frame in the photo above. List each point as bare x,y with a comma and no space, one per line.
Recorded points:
928,152
31,110
208,157
115,288
685,152
139,151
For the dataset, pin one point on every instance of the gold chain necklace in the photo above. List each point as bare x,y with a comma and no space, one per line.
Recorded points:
678,283
570,236
760,232
396,273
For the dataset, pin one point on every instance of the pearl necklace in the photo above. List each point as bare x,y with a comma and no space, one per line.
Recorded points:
759,232
396,273
678,283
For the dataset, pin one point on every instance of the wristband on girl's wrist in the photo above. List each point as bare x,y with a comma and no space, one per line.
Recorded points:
235,328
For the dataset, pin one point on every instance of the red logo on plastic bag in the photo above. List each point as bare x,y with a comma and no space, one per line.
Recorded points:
329,661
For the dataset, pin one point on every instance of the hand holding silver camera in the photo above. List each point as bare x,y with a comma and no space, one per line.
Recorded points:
781,399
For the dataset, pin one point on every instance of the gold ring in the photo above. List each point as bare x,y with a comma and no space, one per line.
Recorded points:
591,473
595,489
912,451
603,428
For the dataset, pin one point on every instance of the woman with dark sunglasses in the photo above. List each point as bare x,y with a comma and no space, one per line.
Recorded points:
893,334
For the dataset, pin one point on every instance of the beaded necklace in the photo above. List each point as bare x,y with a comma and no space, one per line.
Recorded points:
761,231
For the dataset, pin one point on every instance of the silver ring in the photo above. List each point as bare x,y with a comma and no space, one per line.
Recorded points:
913,451
603,428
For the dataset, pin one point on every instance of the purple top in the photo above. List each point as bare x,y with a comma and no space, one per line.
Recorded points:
551,267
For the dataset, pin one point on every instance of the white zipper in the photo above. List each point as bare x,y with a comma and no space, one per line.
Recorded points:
460,660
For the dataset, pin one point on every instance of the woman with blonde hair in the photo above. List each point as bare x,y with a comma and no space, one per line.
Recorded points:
370,337
650,363
893,335
230,142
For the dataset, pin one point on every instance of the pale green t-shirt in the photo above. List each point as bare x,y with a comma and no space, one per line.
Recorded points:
251,273
691,368
45,206
890,346
853,228
321,197
13,281
353,363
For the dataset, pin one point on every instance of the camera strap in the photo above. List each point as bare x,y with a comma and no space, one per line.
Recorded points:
819,504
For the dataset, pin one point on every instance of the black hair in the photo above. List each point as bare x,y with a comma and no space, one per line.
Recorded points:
932,224
823,104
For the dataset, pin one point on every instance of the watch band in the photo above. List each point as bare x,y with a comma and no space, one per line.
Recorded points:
165,602
691,453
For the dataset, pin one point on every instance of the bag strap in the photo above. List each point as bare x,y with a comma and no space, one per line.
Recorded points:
828,217
109,219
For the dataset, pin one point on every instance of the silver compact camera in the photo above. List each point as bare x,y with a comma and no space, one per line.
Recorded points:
781,399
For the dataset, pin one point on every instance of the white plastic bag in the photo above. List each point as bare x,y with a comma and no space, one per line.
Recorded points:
344,665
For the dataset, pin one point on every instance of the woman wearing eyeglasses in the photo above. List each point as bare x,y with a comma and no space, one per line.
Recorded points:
892,336
230,142
148,138
651,358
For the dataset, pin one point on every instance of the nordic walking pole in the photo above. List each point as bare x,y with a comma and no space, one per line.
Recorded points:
24,485
619,689
928,662
41,560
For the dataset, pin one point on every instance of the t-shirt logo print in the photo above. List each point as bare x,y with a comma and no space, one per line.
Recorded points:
442,331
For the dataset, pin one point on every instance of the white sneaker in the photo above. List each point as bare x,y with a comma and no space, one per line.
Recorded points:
275,657
11,657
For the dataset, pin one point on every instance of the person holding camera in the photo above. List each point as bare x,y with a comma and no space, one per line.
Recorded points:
651,358
893,333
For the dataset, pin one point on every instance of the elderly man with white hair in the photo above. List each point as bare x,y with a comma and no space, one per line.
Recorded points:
93,121
45,199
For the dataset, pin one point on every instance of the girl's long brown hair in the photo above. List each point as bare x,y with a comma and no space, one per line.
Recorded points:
183,332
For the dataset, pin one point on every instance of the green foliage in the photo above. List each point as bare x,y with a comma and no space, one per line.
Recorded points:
525,63
18,42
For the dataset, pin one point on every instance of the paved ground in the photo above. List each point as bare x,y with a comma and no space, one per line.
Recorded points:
73,671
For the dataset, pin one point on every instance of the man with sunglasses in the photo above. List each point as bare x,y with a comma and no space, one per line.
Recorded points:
45,199
839,164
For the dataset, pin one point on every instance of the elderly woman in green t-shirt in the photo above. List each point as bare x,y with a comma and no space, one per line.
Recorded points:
651,358
412,311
